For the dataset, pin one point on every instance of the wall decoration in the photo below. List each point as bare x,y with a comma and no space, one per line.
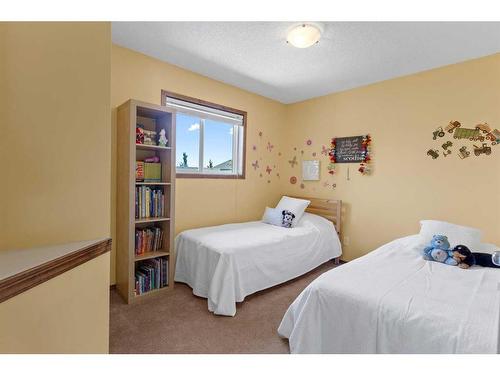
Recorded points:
295,149
348,149
302,186
494,137
293,162
481,132
483,149
447,145
463,152
314,154
278,175
260,134
310,170
470,134
260,174
309,142
254,148
324,150
439,132
302,152
268,170
452,125
327,184
255,165
293,180
484,127
433,153
269,146
351,150
331,168
279,153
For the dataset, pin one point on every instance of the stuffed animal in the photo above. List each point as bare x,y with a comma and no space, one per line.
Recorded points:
466,258
287,219
439,251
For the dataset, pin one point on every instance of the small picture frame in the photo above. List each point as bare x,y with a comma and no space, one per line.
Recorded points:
310,170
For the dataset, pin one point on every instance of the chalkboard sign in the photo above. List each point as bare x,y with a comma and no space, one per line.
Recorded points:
349,149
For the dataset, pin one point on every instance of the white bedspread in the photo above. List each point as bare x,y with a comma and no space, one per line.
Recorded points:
392,301
226,263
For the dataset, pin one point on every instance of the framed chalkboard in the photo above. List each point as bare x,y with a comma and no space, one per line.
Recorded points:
349,149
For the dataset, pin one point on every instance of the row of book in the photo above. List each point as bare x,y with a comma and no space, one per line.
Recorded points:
148,239
151,274
149,202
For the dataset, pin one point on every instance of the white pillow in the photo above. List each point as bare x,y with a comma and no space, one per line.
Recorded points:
457,234
294,205
272,216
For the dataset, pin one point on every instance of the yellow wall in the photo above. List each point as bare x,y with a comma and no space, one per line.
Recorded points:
406,184
67,314
201,202
55,147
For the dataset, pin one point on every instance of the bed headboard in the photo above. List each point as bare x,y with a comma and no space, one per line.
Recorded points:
330,209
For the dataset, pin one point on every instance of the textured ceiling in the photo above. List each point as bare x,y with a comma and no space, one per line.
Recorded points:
254,55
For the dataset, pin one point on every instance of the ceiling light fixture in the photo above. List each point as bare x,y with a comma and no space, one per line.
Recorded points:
304,35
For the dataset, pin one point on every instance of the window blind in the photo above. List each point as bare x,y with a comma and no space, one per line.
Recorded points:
205,111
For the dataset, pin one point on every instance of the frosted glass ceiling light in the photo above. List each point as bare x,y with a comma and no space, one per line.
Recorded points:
304,35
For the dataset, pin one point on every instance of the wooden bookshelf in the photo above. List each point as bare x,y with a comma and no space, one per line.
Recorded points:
152,117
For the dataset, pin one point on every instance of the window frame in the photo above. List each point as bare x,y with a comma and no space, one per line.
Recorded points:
240,176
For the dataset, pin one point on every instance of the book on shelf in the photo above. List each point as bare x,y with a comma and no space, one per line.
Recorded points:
151,274
148,240
149,202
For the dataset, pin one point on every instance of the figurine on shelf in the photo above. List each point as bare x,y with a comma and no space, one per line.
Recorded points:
162,141
139,134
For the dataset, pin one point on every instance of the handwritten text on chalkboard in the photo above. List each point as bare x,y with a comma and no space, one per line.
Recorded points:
349,149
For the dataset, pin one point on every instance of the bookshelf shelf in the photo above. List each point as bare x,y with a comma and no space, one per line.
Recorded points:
151,220
154,183
152,292
151,254
152,232
151,147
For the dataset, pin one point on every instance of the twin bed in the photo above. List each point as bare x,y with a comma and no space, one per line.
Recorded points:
393,301
226,263
389,301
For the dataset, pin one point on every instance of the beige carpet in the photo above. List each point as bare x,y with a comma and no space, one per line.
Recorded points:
180,322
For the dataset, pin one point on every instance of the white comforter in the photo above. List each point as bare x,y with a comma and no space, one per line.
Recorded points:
226,263
393,301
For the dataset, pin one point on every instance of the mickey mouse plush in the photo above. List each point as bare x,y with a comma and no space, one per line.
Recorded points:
286,221
466,258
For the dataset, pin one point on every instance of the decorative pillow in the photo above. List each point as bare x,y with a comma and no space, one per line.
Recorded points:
457,234
294,205
272,216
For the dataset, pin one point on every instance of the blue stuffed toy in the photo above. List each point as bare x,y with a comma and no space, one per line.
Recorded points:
439,251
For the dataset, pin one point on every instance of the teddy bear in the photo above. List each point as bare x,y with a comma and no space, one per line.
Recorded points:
439,251
286,221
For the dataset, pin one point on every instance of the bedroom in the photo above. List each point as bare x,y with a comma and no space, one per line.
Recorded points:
237,284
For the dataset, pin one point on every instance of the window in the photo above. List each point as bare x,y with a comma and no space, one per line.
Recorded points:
210,138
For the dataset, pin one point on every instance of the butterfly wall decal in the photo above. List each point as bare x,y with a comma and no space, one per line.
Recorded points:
269,146
293,162
255,164
268,170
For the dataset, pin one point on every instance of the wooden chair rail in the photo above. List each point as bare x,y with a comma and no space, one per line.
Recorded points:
25,280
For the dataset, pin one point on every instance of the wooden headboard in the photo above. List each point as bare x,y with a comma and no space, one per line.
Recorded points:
330,209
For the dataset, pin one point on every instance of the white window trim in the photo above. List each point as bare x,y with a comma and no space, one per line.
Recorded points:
203,113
